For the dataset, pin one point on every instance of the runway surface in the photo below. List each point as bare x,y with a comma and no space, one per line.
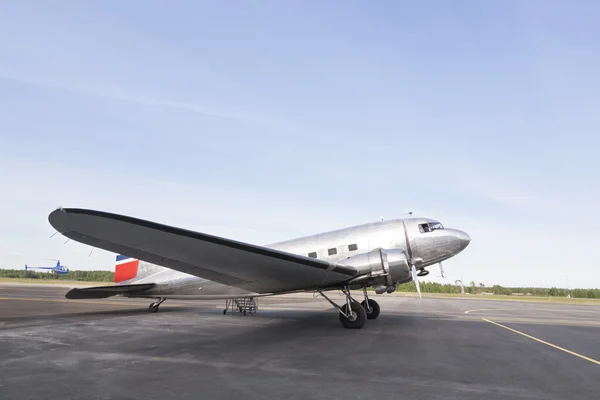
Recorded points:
294,348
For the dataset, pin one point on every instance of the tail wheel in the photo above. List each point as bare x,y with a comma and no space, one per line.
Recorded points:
357,318
153,308
373,309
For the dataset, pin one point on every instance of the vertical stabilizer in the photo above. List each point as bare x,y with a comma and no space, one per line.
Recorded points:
126,268
129,270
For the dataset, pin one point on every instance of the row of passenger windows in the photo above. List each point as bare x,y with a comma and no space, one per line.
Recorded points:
333,251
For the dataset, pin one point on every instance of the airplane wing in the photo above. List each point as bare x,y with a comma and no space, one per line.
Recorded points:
254,268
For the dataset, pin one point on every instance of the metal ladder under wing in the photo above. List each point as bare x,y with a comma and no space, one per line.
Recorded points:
246,305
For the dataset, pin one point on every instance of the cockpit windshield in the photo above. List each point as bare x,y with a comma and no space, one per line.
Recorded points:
430,227
434,226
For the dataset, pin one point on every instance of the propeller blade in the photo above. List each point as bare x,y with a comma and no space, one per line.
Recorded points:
442,270
416,279
408,246
410,260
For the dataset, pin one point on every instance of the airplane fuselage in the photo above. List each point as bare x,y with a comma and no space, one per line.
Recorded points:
425,239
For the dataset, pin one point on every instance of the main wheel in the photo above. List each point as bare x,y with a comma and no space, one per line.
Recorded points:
153,308
358,316
373,309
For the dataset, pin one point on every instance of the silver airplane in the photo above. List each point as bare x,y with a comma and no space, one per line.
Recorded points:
165,262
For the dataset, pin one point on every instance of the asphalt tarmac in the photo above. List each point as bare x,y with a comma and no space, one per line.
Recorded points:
294,348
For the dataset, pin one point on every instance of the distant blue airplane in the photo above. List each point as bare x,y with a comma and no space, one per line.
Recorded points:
57,269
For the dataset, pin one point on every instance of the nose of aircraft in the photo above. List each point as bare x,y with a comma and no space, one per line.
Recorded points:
463,237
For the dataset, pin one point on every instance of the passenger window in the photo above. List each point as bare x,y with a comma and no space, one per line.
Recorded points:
352,247
313,254
332,252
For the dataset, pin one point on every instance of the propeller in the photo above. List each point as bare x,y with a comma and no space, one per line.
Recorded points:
416,279
441,270
411,261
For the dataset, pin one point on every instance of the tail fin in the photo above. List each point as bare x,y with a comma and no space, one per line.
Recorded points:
126,268
25,267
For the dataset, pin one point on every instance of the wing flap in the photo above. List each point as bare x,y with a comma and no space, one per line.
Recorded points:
254,268
102,292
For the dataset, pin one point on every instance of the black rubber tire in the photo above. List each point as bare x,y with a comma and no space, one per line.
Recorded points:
361,316
375,309
153,308
224,312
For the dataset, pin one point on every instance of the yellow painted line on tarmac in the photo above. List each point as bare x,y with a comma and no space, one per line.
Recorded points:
549,321
543,342
41,299
112,303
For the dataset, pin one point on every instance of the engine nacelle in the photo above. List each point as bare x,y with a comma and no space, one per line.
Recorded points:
384,269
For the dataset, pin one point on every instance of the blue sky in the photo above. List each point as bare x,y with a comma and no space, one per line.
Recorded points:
264,121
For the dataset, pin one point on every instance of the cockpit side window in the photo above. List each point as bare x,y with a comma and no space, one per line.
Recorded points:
424,228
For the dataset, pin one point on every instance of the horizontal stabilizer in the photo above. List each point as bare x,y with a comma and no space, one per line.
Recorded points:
102,292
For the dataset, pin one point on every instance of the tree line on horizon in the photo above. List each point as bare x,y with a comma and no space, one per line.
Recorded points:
426,287
474,288
87,276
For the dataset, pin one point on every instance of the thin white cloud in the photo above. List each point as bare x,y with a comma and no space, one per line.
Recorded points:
113,92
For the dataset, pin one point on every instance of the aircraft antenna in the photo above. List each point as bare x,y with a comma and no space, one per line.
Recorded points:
91,251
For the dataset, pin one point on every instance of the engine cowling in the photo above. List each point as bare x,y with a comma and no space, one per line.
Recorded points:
384,269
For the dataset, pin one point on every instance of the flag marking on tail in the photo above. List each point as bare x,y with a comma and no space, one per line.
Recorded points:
126,268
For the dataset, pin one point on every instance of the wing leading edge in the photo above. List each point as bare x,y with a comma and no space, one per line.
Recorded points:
254,268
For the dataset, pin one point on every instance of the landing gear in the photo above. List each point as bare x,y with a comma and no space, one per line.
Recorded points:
154,306
371,306
352,314
356,318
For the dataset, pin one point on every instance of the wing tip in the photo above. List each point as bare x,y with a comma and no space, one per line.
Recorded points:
56,213
58,217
